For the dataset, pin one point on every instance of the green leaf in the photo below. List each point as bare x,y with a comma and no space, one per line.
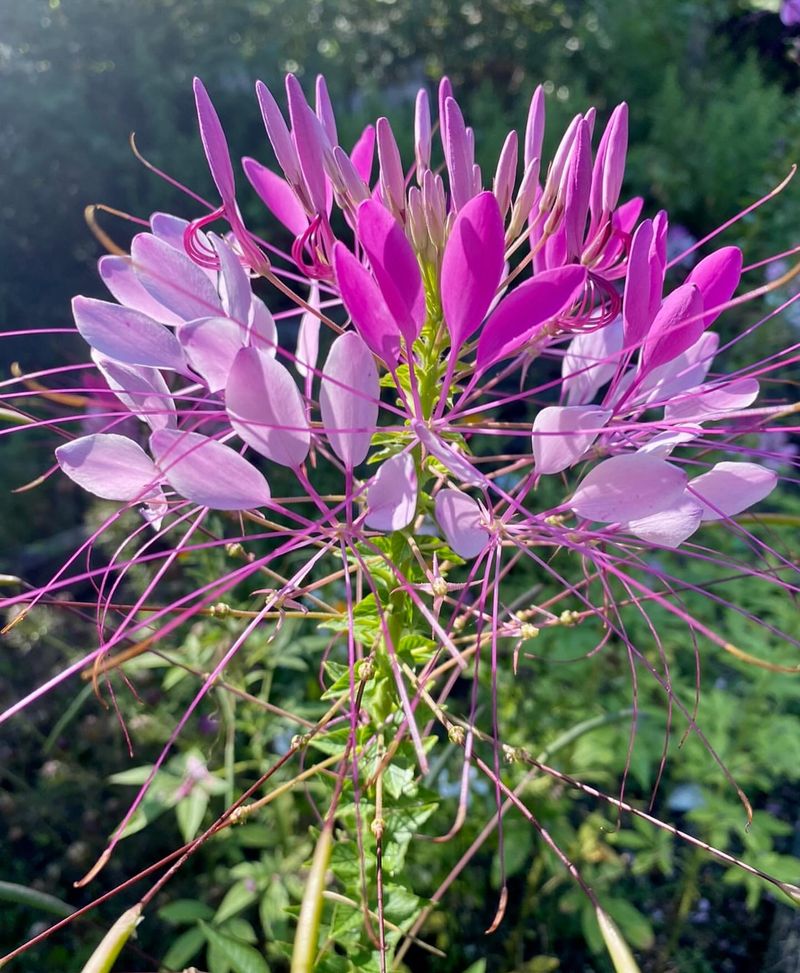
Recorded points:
190,812
618,949
238,897
22,895
184,948
185,910
241,957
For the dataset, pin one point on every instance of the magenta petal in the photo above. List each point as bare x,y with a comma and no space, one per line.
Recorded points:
234,283
676,327
349,398
637,309
686,371
577,185
277,195
266,409
363,154
392,494
670,527
109,466
729,488
457,151
173,279
278,134
142,389
628,487
211,344
562,434
395,266
714,403
125,286
126,335
309,141
206,472
472,266
461,519
717,276
590,361
214,144
518,316
365,304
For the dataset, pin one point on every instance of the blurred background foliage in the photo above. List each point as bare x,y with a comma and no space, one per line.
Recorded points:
715,123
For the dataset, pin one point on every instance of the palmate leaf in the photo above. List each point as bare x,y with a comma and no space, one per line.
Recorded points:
240,957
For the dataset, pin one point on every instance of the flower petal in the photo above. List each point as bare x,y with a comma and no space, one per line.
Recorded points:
211,344
628,487
472,266
266,409
214,144
366,306
392,494
394,265
142,389
590,361
206,472
277,195
562,434
173,279
448,456
714,403
235,288
729,488
717,276
125,286
308,336
677,326
671,527
109,466
460,517
518,316
349,398
126,335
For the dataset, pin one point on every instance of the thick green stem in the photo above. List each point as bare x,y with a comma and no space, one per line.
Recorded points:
306,938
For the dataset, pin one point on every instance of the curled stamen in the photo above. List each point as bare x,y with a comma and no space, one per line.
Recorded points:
313,240
200,252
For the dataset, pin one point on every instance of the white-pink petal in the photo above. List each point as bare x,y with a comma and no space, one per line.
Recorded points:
126,335
110,466
207,472
266,409
628,487
671,527
211,344
562,434
715,403
729,488
142,389
392,494
349,398
463,522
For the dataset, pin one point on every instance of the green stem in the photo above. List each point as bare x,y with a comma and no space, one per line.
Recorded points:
307,936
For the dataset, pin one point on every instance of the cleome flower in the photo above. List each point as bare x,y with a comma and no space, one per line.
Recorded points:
505,375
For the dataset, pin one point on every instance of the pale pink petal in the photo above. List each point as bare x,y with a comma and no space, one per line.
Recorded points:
534,128
211,344
206,472
142,389
664,443
461,519
729,488
126,335
713,403
119,278
392,494
670,527
448,455
277,195
529,306
562,434
365,304
349,398
109,466
392,177
394,265
590,361
717,276
686,371
173,279
471,267
235,288
262,332
628,487
266,409
308,336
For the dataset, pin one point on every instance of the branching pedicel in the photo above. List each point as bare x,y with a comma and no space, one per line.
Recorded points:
462,305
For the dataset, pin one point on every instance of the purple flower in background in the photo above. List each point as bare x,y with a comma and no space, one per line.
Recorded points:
790,13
